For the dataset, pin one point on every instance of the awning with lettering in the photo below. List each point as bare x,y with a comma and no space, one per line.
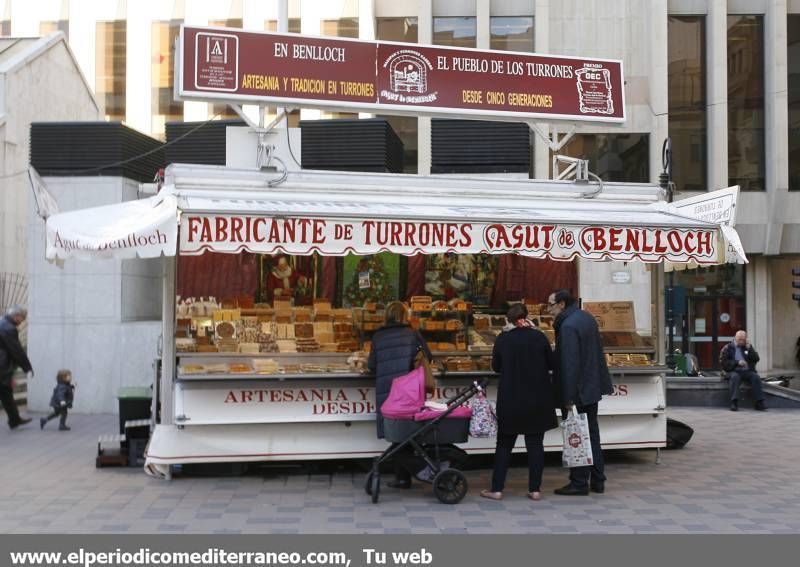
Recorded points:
146,228
225,210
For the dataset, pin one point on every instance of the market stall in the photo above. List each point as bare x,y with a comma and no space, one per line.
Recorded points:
276,371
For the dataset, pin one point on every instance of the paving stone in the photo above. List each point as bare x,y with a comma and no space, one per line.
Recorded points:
694,490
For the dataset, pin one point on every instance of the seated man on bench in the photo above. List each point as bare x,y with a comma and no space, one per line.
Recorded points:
738,359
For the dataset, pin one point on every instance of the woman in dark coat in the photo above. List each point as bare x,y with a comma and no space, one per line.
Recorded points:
525,399
394,347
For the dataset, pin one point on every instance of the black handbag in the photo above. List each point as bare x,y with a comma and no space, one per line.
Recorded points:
678,434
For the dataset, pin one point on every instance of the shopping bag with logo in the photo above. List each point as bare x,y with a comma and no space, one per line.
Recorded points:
484,421
577,450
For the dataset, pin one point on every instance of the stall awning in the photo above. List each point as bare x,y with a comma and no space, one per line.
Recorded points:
146,228
223,210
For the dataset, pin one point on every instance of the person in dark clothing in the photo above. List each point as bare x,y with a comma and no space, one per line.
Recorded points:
394,347
584,377
738,359
12,355
525,399
61,400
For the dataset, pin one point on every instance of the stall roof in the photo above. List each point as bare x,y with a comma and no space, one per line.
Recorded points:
227,210
405,197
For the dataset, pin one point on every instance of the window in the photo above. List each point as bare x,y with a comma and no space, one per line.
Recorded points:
455,32
687,101
343,27
272,25
46,28
164,108
110,68
793,61
512,34
403,30
397,29
225,111
746,102
613,157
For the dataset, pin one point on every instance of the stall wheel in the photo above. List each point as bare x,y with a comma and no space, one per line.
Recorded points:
450,486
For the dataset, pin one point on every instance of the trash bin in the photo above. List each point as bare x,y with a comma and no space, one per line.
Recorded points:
134,403
680,365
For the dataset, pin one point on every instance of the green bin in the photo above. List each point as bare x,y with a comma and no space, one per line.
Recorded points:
680,364
134,403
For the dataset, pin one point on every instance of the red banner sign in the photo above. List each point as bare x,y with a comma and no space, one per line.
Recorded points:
234,65
233,233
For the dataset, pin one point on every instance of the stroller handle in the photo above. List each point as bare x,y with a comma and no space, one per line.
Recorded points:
476,387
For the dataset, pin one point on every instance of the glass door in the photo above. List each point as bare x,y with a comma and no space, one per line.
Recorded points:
700,330
711,323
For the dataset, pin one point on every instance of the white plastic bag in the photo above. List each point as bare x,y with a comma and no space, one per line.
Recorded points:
577,451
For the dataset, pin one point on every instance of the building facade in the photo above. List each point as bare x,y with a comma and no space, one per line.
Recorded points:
39,80
718,76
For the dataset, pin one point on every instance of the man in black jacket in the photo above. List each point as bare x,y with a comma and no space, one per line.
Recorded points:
584,377
738,359
12,355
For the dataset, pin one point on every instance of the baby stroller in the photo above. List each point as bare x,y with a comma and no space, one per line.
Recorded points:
429,432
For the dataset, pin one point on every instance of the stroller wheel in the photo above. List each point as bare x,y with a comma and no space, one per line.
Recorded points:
368,484
450,486
374,481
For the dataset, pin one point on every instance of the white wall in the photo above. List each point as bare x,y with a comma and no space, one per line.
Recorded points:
48,88
76,311
595,284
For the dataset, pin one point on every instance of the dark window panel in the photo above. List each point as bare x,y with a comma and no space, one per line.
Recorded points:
110,67
343,27
455,32
746,157
512,34
163,108
613,157
404,30
272,25
687,101
793,60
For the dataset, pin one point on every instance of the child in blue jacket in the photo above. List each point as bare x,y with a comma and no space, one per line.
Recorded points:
61,401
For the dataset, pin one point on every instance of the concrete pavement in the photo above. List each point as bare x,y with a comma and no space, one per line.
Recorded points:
737,475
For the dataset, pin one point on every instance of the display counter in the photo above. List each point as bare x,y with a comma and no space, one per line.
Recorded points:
330,415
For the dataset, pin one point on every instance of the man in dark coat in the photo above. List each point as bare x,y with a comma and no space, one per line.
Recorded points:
525,399
12,355
738,359
394,347
584,378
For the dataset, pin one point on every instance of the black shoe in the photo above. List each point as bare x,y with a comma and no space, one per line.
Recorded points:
734,405
569,490
64,428
22,421
402,484
760,406
598,487
42,422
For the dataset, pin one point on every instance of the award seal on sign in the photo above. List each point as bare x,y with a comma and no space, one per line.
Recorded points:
594,89
408,78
